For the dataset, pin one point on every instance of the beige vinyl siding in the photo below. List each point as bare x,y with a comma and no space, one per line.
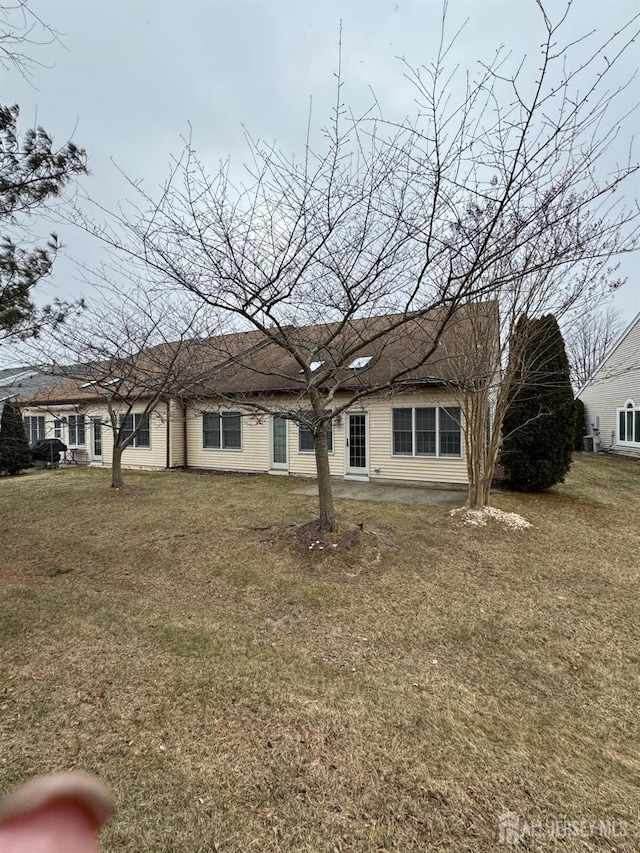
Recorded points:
81,452
380,444
176,435
59,413
384,465
615,382
254,452
154,456
304,464
254,455
100,413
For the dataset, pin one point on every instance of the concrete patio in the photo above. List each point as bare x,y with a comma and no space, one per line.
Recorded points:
431,494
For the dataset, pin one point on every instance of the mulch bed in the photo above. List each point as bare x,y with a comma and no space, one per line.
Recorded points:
310,536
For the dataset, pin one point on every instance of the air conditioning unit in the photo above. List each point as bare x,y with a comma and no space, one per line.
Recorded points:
588,444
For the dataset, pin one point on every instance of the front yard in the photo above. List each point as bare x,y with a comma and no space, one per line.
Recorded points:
241,691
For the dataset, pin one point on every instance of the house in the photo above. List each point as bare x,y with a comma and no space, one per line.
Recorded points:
228,406
611,396
22,381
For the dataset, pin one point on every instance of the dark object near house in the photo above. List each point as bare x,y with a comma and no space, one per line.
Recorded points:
46,452
580,431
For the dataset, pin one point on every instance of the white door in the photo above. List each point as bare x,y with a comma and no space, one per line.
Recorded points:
96,440
279,456
356,450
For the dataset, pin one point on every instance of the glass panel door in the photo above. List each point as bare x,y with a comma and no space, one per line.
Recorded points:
96,440
279,443
356,461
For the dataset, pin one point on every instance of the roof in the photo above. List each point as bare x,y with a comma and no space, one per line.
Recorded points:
23,381
416,351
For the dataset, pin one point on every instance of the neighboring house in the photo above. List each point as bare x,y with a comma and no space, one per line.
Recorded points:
611,396
412,432
23,381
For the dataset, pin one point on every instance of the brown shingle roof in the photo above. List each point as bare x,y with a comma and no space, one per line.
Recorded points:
244,363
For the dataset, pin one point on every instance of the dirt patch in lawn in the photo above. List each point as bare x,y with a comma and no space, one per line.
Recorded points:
311,537
347,552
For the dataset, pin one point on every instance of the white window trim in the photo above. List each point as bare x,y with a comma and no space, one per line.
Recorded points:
629,406
134,444
77,417
437,454
29,434
221,448
312,450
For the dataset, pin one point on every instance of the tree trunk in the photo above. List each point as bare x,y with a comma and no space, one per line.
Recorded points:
116,467
325,494
482,444
480,448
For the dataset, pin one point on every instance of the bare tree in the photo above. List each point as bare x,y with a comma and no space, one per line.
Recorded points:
22,30
589,337
493,191
121,357
483,387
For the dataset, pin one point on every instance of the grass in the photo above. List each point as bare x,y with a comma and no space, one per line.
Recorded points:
240,692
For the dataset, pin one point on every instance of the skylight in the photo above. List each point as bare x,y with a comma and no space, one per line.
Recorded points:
313,366
105,382
361,361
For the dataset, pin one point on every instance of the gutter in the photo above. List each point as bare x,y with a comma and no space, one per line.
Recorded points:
184,434
168,433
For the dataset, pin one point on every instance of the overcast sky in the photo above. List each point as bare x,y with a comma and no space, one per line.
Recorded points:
129,77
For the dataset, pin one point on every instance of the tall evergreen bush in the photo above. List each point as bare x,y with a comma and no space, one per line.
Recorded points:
539,425
14,447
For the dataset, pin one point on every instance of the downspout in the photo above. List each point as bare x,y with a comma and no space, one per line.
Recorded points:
184,435
168,433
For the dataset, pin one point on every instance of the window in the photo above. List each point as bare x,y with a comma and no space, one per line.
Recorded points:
629,423
403,431
57,428
305,438
96,425
76,431
34,427
129,423
427,431
221,431
450,431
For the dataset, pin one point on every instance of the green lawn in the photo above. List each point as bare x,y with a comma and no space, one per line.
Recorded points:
240,692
